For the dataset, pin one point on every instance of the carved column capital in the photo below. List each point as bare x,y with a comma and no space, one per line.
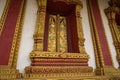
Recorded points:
111,12
41,9
41,3
78,8
79,28
39,30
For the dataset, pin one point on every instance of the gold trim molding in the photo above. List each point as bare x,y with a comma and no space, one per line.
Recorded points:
58,69
36,54
63,76
40,23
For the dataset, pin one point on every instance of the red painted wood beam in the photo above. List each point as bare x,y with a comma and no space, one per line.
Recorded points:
101,34
7,35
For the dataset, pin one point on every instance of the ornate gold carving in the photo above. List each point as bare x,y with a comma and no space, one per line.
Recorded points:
108,71
57,39
55,72
4,67
60,60
69,73
39,54
39,30
52,34
57,64
57,69
62,38
42,3
63,76
80,29
9,74
111,13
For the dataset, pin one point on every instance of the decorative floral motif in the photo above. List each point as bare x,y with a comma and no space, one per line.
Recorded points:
57,34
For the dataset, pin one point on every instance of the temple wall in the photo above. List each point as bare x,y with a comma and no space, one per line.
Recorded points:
27,41
27,36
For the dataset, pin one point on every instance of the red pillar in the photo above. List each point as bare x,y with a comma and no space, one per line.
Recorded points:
101,33
8,31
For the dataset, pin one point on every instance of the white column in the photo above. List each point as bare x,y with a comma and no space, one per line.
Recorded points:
27,41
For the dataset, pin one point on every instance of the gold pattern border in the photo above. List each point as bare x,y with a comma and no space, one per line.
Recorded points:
16,40
96,41
36,54
62,76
